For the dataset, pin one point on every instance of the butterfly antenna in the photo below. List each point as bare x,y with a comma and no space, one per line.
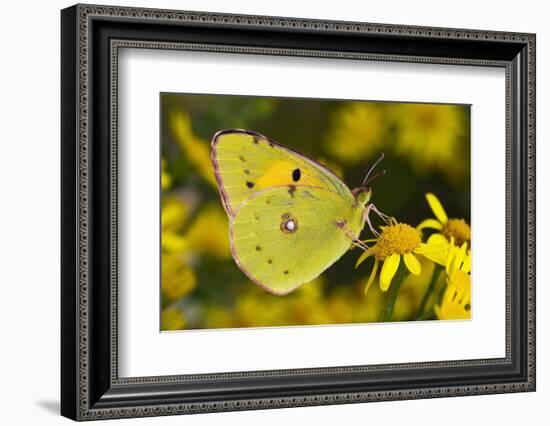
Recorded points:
375,176
371,169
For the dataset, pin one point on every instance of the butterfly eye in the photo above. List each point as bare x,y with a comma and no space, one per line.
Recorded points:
289,225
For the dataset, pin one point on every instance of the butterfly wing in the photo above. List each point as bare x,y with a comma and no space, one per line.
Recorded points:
286,236
246,162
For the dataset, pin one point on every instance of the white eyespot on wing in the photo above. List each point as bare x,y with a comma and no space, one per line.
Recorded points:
288,245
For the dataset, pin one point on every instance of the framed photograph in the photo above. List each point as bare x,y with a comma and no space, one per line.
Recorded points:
263,212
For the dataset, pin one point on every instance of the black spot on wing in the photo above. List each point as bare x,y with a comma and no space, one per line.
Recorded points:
286,272
258,248
292,190
341,223
296,174
241,158
249,184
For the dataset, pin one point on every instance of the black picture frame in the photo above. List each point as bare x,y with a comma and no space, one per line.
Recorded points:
90,38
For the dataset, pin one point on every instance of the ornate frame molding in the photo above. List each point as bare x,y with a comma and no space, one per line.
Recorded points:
91,400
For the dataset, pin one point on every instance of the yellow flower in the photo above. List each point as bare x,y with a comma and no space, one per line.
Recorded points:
174,213
197,150
433,137
455,304
165,179
218,316
208,234
173,216
255,310
172,319
369,309
456,301
437,249
457,229
413,291
458,259
357,132
395,241
178,279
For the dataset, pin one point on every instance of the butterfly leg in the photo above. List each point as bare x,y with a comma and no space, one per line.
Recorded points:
367,219
384,217
358,243
354,239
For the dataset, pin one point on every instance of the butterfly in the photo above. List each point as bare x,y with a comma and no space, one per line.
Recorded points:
290,217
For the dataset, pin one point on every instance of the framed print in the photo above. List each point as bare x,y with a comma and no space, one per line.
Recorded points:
344,211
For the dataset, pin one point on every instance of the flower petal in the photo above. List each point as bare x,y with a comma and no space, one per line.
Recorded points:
372,275
450,292
389,268
451,255
412,263
462,287
467,265
435,252
431,248
437,239
436,207
430,223
173,242
363,257
459,259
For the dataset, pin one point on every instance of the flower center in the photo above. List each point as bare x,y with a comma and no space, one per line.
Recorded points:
458,229
397,238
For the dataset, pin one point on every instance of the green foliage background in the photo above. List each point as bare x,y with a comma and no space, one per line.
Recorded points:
426,147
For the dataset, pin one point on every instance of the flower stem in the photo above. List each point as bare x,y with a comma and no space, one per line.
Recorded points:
397,281
441,294
435,275
428,315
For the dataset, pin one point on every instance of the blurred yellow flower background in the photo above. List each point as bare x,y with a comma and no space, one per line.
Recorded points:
427,151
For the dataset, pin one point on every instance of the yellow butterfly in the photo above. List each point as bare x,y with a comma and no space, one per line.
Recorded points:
290,217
